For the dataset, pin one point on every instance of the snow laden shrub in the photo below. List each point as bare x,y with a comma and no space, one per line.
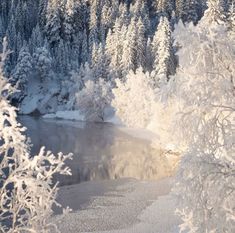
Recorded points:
133,99
205,85
94,99
27,191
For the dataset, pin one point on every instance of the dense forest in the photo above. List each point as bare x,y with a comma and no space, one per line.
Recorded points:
58,45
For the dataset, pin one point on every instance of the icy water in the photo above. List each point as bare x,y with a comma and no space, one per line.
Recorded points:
101,150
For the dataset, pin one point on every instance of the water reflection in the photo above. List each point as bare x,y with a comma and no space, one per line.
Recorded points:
101,150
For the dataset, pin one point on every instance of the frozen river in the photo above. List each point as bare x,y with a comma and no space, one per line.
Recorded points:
101,151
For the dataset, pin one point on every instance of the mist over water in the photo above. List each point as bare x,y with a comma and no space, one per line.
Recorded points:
101,150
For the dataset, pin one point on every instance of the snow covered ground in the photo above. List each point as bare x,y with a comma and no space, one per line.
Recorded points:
119,206
67,115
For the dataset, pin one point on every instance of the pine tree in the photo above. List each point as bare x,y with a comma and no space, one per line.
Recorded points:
42,63
149,55
192,11
106,20
11,35
62,57
231,19
36,40
164,64
69,20
114,47
141,45
22,71
94,23
129,58
42,12
215,13
99,63
164,7
124,15
53,22
84,48
1,28
179,8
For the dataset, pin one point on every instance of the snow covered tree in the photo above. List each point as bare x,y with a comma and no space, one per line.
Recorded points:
106,20
179,8
94,24
36,40
215,13
27,191
124,15
11,34
190,10
231,19
69,19
42,10
100,64
84,48
53,22
205,86
94,99
42,63
164,63
133,99
1,28
164,7
114,48
141,44
23,70
129,60
62,57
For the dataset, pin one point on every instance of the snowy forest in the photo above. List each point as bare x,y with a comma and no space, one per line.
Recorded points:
163,67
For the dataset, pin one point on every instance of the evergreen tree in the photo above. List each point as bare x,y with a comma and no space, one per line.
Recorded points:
106,20
84,48
23,70
215,13
69,20
36,40
141,45
94,23
53,22
164,7
42,13
1,28
192,11
179,8
129,56
124,15
231,19
42,63
11,35
99,63
164,63
114,47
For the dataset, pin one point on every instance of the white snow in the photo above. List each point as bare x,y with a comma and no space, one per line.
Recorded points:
38,98
120,206
66,115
